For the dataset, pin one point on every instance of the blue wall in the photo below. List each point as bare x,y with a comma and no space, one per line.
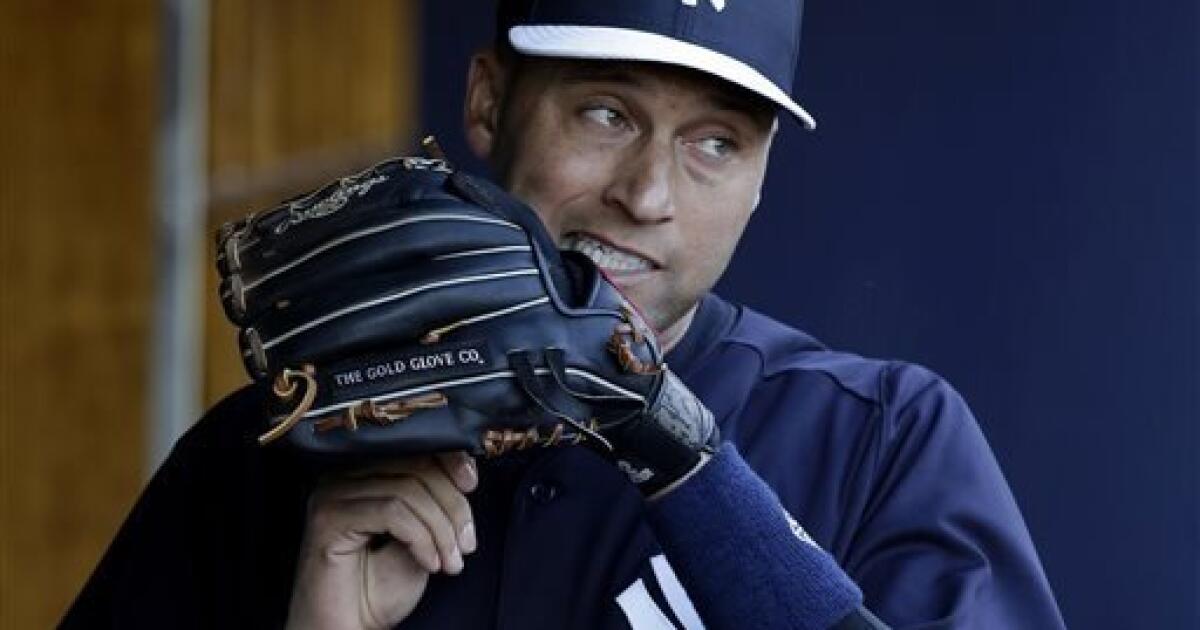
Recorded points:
1006,191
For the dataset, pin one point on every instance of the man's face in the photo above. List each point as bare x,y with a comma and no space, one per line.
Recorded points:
651,171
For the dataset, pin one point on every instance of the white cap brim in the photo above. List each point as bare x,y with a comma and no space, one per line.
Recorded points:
605,42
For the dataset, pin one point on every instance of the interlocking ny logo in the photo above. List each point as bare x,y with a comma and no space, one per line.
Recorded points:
719,5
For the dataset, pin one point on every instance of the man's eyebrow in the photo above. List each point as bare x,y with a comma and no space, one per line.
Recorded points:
750,106
742,102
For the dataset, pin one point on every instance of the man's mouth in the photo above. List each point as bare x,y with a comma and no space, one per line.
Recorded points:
606,255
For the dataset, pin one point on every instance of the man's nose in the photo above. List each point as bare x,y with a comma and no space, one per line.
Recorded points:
643,185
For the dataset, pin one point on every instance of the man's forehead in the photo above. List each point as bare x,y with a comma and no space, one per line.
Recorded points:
646,75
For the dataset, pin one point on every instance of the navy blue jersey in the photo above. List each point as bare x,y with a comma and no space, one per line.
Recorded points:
881,462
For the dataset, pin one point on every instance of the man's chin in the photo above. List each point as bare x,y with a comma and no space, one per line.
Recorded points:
669,321
673,327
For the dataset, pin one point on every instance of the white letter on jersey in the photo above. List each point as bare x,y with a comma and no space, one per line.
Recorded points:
644,613
640,609
719,5
677,598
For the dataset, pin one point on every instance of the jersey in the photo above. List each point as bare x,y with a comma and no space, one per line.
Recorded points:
880,462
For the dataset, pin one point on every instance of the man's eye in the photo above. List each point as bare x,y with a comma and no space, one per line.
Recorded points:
606,116
716,147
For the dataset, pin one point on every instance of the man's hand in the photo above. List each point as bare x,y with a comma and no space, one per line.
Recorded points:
373,538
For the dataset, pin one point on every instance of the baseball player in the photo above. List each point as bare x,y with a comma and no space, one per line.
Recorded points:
693,464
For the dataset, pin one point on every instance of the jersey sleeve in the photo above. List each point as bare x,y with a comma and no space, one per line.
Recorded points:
941,542
121,591
191,553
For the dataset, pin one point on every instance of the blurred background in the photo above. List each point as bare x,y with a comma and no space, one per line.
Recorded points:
1007,191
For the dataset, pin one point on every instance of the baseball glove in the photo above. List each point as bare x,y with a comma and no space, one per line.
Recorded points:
414,309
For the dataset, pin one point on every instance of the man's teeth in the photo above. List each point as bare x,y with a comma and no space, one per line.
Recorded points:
606,256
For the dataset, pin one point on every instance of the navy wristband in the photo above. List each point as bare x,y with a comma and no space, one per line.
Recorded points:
736,552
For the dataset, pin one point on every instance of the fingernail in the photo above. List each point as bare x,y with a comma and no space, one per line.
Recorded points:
455,565
468,478
466,538
433,563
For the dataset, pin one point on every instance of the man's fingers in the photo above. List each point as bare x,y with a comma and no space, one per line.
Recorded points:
430,496
417,497
348,526
455,505
427,489
461,468
444,491
405,526
458,465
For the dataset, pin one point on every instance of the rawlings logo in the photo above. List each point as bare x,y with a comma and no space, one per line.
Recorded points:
346,189
719,5
339,194
437,165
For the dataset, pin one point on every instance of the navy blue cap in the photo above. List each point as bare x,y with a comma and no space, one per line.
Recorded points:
752,43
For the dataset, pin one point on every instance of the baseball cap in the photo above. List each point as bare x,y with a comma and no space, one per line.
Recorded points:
752,43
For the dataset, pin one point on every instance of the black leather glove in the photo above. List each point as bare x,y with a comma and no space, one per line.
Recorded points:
411,309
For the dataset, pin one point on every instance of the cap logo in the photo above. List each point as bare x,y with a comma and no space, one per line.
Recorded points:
719,5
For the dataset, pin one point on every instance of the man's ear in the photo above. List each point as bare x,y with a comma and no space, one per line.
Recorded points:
481,108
